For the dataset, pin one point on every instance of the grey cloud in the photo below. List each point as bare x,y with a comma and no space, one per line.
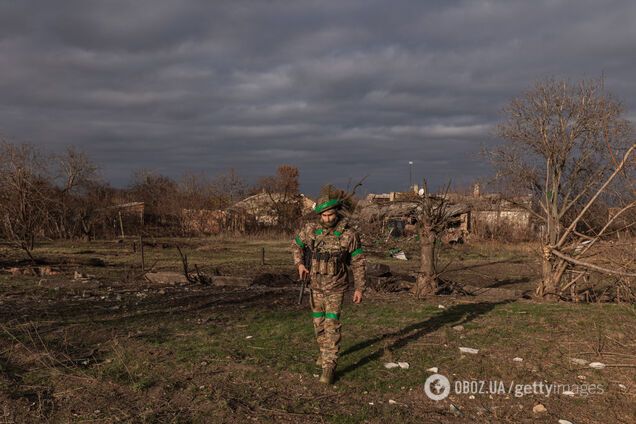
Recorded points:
340,89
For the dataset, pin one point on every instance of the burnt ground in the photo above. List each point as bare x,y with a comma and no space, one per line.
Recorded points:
111,347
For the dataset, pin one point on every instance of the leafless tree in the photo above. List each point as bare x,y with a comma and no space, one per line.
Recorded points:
567,145
80,194
284,196
24,194
433,219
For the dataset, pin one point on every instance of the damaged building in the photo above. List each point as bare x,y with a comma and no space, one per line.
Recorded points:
483,215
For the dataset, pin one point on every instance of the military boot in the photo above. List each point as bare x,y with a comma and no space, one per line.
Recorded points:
327,375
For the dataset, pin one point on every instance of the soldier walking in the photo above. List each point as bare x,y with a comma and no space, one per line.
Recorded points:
334,247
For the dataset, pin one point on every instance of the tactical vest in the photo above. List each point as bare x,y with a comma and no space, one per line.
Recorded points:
329,256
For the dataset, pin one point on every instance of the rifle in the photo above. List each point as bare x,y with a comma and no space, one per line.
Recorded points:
303,282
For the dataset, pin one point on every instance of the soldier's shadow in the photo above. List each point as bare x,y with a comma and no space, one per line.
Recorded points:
456,315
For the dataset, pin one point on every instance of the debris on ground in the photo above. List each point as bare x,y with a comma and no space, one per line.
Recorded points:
433,369
398,254
455,410
517,359
458,328
597,365
539,409
390,365
404,365
468,350
578,361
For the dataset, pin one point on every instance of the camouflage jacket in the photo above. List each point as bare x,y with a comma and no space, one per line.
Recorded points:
333,252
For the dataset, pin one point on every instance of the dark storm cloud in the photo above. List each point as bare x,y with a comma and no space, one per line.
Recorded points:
340,89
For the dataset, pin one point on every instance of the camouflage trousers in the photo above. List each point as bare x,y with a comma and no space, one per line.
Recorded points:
325,308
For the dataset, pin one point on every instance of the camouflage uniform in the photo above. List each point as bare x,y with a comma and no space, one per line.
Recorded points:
334,251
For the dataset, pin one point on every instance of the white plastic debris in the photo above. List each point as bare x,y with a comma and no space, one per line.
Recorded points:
404,365
578,361
441,307
565,422
315,375
597,365
392,402
468,350
471,397
622,386
390,365
248,337
371,403
434,370
400,255
568,393
517,359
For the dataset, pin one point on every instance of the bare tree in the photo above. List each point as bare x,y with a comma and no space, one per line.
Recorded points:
24,194
78,198
567,144
284,196
228,188
433,217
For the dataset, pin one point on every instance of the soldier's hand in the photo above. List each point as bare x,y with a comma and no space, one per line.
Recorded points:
303,272
357,296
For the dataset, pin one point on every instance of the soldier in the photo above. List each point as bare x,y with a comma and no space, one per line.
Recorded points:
334,248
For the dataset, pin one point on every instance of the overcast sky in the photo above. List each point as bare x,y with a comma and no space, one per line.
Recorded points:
340,89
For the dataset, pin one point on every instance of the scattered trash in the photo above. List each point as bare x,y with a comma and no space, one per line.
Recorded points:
468,350
568,393
248,337
581,377
371,403
79,276
578,361
390,365
455,410
517,359
458,328
404,365
622,386
398,254
441,307
539,408
434,370
565,422
392,402
471,397
597,365
316,376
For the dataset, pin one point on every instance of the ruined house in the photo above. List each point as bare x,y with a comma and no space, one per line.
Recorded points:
480,214
251,214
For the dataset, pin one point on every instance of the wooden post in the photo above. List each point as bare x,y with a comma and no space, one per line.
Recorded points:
121,226
141,249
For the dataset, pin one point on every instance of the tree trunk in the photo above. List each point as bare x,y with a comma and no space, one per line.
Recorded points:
427,283
549,287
